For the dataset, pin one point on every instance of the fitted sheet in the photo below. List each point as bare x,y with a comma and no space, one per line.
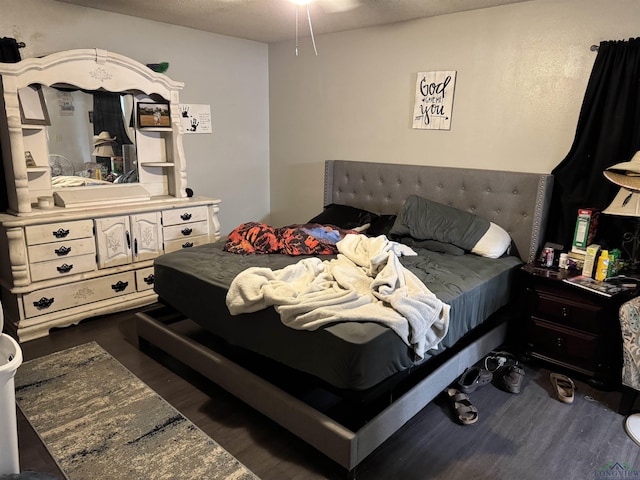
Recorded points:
349,356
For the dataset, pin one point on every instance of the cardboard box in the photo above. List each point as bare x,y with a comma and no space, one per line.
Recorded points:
586,227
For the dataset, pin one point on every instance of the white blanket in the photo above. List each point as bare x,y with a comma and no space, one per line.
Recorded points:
366,282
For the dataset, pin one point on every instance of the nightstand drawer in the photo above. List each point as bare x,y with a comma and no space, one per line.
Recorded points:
566,311
562,343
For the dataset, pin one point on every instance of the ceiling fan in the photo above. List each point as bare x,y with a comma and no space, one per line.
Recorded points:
332,6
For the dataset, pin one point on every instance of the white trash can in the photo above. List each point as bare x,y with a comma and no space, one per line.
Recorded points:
10,360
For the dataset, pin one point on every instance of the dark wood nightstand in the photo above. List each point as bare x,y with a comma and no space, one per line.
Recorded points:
572,328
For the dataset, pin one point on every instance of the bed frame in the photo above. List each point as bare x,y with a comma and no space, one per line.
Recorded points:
516,201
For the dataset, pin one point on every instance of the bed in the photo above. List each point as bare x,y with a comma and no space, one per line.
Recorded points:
348,403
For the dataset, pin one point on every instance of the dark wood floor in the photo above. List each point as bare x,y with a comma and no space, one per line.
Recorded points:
530,435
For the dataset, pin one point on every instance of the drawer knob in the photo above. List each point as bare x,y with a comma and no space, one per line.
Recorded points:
60,233
43,303
559,342
148,279
565,312
185,216
62,251
64,268
187,231
120,286
187,245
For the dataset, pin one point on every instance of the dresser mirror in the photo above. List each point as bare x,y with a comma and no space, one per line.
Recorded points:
85,149
77,120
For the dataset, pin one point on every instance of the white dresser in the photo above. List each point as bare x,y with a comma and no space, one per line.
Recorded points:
69,253
60,268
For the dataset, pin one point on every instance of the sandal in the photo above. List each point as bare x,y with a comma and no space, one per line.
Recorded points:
563,386
512,379
474,377
466,412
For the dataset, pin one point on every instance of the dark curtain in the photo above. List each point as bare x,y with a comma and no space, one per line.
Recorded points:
9,53
107,117
608,132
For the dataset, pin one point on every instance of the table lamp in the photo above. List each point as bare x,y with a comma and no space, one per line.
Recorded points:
627,203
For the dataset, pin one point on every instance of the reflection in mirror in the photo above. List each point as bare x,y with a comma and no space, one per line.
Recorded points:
83,124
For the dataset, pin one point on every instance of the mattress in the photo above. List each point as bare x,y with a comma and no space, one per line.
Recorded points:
350,355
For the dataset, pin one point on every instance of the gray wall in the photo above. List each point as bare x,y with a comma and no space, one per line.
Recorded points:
521,69
229,74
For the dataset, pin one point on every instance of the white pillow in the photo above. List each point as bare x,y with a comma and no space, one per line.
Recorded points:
494,243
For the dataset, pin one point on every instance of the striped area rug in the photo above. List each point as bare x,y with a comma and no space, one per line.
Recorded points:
98,420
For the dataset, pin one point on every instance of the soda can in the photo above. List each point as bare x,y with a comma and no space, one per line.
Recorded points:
548,257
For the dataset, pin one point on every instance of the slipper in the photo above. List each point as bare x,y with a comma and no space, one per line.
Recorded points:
563,387
466,412
512,379
474,377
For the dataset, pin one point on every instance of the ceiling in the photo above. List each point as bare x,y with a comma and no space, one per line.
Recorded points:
274,20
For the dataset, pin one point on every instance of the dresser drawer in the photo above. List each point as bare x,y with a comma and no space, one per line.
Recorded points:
180,243
74,294
54,232
64,249
144,279
566,311
184,215
62,267
185,231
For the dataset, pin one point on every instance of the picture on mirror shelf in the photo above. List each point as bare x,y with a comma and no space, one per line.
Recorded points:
153,115
33,109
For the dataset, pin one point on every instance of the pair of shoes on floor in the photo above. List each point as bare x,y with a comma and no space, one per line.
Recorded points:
474,377
563,387
507,371
465,411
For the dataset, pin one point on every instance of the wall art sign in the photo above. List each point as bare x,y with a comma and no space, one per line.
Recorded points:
434,100
196,118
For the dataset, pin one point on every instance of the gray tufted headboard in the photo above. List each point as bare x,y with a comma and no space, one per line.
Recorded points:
518,202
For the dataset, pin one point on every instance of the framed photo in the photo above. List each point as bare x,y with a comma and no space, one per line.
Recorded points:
33,109
153,115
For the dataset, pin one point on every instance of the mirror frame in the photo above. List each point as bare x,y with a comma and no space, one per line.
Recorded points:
87,69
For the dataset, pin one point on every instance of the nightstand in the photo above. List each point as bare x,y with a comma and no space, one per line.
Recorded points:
572,328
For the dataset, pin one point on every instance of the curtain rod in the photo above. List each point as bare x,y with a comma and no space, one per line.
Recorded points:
21,44
594,48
